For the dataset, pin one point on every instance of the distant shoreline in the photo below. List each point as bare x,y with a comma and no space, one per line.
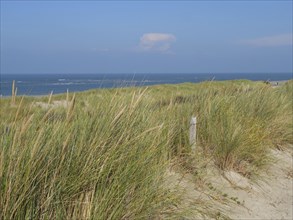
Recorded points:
275,83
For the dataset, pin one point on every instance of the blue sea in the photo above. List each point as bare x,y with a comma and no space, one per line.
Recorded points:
43,84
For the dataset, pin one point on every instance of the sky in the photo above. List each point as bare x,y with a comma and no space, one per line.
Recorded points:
146,36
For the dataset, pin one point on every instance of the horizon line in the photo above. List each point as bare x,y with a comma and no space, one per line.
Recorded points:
139,73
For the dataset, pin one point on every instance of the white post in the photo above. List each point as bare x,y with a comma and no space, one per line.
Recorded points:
192,133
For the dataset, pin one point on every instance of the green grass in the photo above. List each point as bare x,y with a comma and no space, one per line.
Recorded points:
105,155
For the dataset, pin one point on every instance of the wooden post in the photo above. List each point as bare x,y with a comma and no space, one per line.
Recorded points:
192,133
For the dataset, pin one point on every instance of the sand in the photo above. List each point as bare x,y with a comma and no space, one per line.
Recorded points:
271,198
54,104
276,84
233,196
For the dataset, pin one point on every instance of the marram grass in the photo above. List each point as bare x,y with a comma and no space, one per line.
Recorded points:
104,154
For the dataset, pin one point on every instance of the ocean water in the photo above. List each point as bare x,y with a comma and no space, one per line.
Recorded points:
43,84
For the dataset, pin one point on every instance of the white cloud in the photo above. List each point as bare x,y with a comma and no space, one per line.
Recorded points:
156,42
271,41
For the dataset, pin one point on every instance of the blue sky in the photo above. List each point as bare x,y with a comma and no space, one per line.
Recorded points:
146,36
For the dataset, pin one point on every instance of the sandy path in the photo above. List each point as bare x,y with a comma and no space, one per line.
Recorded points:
237,197
270,199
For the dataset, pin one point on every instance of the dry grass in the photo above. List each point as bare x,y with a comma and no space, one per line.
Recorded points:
105,153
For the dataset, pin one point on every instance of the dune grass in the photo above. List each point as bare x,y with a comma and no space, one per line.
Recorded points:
104,155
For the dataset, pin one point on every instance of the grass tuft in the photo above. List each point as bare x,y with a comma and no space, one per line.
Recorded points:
105,153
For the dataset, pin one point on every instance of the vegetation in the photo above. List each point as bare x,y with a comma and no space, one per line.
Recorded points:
103,154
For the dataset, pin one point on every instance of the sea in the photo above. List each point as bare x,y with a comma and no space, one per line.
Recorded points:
43,84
